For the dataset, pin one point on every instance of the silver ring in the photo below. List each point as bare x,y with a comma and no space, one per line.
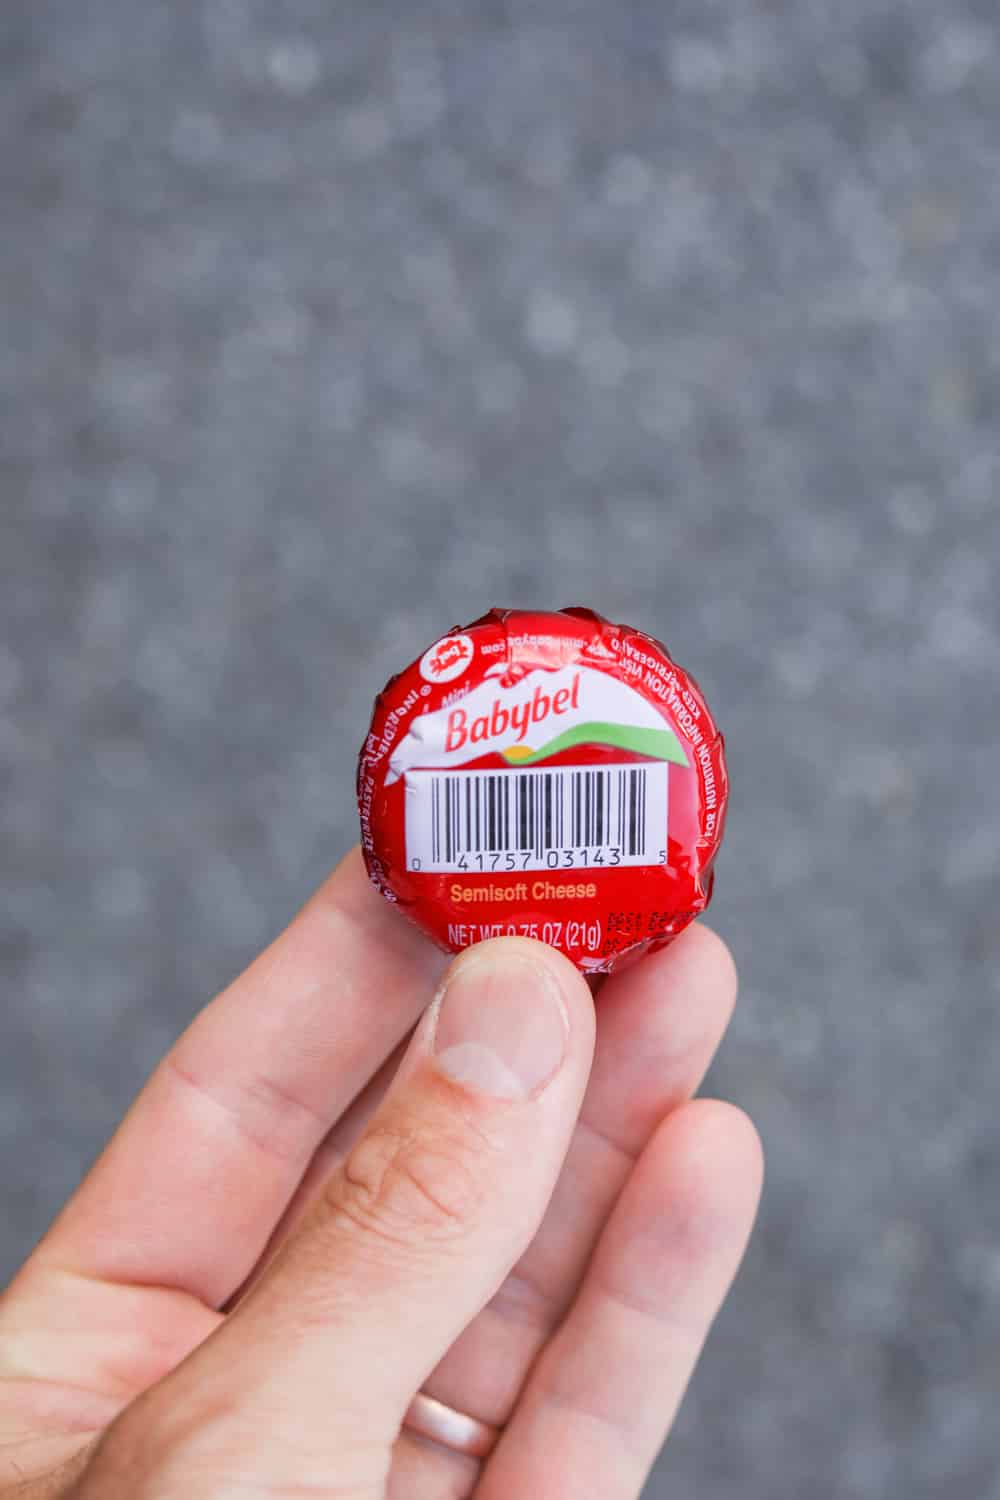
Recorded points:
450,1428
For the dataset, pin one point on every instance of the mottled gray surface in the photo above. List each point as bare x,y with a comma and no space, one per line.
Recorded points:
325,327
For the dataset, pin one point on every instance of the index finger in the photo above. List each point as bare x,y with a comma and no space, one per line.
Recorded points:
194,1181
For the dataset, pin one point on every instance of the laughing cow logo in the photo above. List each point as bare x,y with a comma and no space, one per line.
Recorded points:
446,659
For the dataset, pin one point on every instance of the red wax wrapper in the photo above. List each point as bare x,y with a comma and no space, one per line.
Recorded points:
544,774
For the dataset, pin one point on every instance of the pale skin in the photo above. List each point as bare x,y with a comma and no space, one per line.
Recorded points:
313,1210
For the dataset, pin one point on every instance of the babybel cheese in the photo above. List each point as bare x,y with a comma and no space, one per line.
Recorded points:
547,775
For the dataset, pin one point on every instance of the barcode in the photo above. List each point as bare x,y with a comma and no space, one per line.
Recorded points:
536,820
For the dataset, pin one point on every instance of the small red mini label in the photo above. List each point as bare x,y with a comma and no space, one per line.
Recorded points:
545,775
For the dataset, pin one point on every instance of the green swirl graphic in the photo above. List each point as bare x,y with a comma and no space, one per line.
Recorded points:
658,744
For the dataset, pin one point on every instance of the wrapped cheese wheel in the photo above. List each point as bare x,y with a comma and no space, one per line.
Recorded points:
547,775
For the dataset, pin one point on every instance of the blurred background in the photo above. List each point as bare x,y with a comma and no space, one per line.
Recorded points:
324,328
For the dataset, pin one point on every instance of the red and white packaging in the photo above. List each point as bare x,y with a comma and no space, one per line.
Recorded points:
546,775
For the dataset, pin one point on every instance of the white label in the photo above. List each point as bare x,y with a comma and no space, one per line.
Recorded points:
532,716
570,817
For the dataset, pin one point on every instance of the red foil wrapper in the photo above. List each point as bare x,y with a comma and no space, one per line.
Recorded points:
544,774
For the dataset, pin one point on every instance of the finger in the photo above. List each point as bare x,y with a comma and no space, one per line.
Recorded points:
416,1475
328,1157
232,1116
658,1027
430,1210
605,1391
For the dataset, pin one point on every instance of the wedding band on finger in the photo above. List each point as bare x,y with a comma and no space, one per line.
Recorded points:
450,1428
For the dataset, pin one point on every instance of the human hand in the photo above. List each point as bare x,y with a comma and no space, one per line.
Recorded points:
303,1221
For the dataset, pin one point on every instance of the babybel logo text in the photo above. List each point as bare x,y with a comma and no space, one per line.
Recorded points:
518,716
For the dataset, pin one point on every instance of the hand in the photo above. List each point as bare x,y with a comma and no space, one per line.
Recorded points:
303,1220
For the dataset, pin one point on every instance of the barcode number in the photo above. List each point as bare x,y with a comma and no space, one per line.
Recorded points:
536,820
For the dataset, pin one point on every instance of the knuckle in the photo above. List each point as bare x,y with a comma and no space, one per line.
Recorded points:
191,1439
166,1445
132,1457
400,1188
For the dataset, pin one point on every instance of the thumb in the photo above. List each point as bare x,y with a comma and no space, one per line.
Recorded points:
417,1230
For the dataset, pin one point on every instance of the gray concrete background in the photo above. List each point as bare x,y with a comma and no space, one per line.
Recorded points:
326,327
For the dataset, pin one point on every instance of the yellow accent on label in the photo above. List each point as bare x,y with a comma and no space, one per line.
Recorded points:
518,752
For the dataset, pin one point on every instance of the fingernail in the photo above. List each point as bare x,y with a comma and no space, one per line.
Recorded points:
502,1025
